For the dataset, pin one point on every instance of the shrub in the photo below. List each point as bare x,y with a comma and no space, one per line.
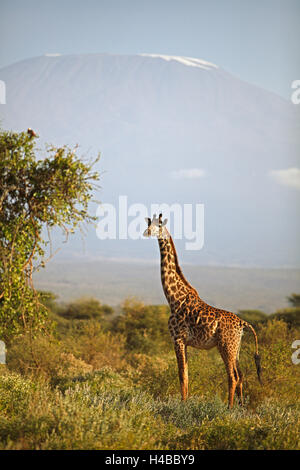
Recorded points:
291,316
14,393
45,356
252,316
99,348
144,327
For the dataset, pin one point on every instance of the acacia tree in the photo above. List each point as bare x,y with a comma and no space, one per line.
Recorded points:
53,191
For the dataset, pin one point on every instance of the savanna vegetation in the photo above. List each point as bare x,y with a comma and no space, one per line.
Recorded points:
105,381
83,376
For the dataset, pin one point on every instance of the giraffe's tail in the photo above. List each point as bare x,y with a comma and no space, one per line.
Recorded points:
256,355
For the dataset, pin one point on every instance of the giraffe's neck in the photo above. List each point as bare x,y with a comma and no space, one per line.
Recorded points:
176,287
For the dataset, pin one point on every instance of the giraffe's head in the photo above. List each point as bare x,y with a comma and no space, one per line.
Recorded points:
156,227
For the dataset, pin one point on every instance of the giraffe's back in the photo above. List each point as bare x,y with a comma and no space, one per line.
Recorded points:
203,326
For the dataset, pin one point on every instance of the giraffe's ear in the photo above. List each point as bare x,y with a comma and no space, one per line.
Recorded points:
148,221
160,220
165,222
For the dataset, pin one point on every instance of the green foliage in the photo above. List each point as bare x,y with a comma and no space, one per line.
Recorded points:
34,194
48,299
88,340
102,410
45,356
15,393
144,326
294,300
252,316
99,412
291,316
85,309
271,427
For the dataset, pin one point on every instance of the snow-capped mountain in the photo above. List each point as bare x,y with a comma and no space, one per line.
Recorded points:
175,130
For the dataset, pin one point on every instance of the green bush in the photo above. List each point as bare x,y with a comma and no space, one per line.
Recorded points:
15,393
44,356
85,309
252,316
144,327
291,316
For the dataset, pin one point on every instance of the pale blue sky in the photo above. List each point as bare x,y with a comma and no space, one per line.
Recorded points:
256,40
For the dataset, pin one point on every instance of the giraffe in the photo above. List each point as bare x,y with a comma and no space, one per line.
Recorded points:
194,323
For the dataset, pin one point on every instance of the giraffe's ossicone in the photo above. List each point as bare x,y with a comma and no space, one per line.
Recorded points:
195,323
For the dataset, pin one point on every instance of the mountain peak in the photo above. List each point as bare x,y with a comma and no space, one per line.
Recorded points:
188,61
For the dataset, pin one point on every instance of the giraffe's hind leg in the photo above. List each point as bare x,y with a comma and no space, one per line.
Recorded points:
239,385
229,359
181,355
229,342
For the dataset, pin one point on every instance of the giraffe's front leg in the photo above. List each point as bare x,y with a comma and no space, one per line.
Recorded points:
181,355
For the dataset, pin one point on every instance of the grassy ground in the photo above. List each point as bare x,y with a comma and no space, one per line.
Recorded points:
101,384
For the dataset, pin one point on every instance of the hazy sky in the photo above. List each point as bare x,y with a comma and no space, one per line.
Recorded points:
257,40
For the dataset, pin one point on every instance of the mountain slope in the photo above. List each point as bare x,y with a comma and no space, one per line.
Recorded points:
152,116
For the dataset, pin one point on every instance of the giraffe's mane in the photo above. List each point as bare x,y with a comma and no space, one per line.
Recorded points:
178,268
